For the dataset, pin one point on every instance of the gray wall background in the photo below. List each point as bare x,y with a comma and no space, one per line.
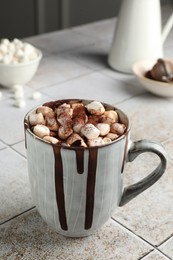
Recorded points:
22,18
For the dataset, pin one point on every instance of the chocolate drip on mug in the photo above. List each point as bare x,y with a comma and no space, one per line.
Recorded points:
125,151
26,127
59,187
80,161
90,191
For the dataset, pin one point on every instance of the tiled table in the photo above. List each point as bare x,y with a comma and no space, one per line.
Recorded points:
74,65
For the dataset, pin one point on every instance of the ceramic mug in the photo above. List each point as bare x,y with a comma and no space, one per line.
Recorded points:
77,189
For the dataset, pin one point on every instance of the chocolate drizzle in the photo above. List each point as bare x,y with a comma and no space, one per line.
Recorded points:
26,127
90,191
80,160
125,151
59,186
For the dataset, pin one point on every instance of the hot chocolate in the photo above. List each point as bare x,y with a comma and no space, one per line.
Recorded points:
75,123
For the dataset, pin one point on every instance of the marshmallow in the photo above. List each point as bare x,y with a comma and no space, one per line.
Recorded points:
28,48
16,51
19,54
41,130
65,119
11,47
112,136
112,115
95,108
64,132
95,142
35,119
64,108
90,131
19,94
78,123
76,140
106,120
103,128
51,139
17,42
76,105
78,111
18,87
74,124
7,59
117,128
3,48
44,110
79,118
5,41
107,140
20,103
1,57
36,95
51,122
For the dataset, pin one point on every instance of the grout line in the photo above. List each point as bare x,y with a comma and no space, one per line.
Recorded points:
18,215
66,81
153,246
156,251
76,59
133,232
18,142
3,148
166,239
18,152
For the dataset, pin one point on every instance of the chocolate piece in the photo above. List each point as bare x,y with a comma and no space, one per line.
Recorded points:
161,71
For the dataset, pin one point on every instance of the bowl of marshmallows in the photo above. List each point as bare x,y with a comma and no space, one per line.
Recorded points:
18,62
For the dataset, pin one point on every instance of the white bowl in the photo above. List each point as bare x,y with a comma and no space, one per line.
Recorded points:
22,73
159,88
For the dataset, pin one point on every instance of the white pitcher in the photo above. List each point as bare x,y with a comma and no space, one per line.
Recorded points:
138,34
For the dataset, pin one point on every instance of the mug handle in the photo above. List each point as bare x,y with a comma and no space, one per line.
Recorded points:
136,149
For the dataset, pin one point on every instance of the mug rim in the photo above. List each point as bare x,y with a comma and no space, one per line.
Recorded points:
27,128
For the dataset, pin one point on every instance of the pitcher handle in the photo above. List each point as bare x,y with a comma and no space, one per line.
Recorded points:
136,149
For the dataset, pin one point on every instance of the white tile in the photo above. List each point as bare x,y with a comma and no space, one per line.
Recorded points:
169,147
128,78
93,56
60,41
168,51
14,185
150,117
167,247
149,215
30,238
155,255
20,148
93,86
9,92
55,69
102,30
2,145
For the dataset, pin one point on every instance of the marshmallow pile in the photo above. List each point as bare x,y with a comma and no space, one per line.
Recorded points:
16,52
76,124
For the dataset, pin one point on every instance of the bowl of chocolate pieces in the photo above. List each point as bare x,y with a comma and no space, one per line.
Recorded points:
155,75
